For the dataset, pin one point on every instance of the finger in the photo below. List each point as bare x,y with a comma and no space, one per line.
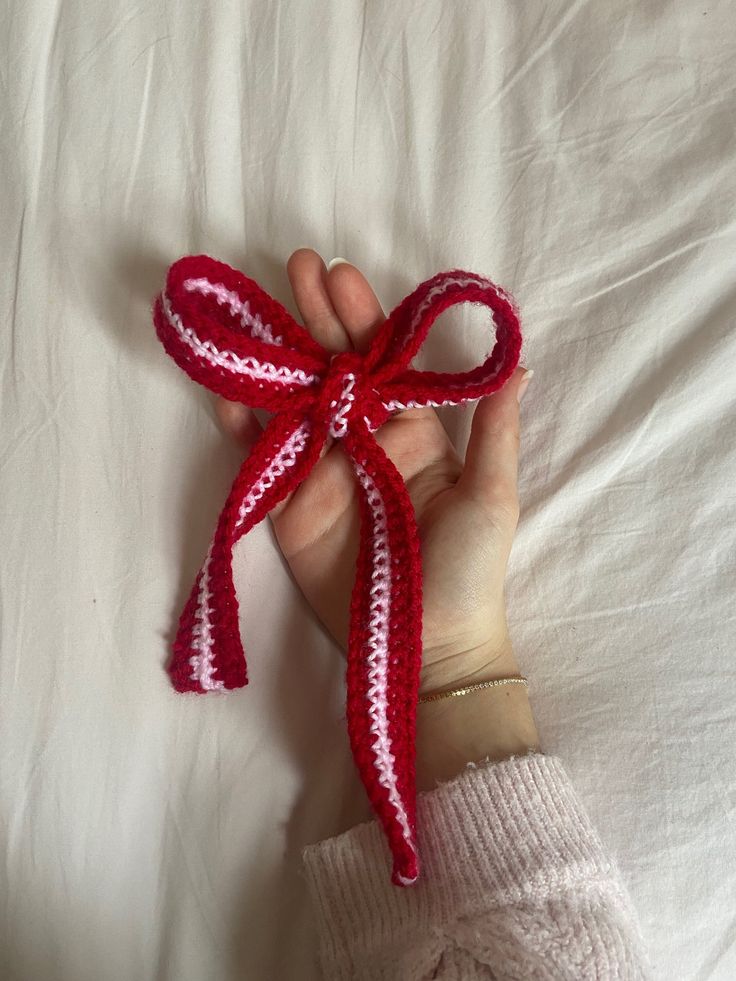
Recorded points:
360,312
238,421
354,302
308,277
492,457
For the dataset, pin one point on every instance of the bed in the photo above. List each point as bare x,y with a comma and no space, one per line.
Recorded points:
579,154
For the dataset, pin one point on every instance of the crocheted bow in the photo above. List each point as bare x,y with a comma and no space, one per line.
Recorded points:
229,335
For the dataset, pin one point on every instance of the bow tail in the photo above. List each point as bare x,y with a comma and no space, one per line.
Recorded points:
384,649
208,653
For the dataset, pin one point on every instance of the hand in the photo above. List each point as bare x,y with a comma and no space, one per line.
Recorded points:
466,512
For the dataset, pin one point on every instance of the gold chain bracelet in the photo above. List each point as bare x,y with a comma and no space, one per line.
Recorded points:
453,693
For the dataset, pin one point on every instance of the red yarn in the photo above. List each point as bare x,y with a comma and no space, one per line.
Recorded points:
231,336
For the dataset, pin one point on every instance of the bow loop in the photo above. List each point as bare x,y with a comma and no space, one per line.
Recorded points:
232,337
405,330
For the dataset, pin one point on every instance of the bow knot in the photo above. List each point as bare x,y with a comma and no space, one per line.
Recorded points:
231,336
341,390
347,392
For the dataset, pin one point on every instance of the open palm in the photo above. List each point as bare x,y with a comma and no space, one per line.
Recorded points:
466,512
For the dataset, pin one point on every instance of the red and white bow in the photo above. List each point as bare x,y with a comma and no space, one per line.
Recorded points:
229,335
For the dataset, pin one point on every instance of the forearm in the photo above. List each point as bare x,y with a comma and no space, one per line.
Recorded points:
491,723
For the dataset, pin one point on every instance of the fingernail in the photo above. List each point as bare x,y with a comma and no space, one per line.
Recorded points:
524,384
335,262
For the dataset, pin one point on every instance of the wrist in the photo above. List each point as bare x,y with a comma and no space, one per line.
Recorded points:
448,669
491,723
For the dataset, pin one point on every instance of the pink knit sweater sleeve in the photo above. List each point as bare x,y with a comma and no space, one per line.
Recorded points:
515,884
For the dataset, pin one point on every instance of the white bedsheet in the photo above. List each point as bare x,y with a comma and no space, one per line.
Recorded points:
581,155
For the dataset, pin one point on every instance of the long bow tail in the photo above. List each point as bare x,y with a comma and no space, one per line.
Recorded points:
385,648
208,652
385,639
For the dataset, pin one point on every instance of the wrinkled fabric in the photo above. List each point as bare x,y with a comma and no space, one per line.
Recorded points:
516,885
579,154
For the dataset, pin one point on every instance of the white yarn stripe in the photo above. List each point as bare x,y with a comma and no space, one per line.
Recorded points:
411,404
258,370
202,660
251,322
378,627
339,424
285,458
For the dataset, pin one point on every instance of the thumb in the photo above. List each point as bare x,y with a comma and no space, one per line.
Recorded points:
492,457
238,421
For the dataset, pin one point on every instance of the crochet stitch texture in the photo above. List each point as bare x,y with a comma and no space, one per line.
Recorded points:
229,335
